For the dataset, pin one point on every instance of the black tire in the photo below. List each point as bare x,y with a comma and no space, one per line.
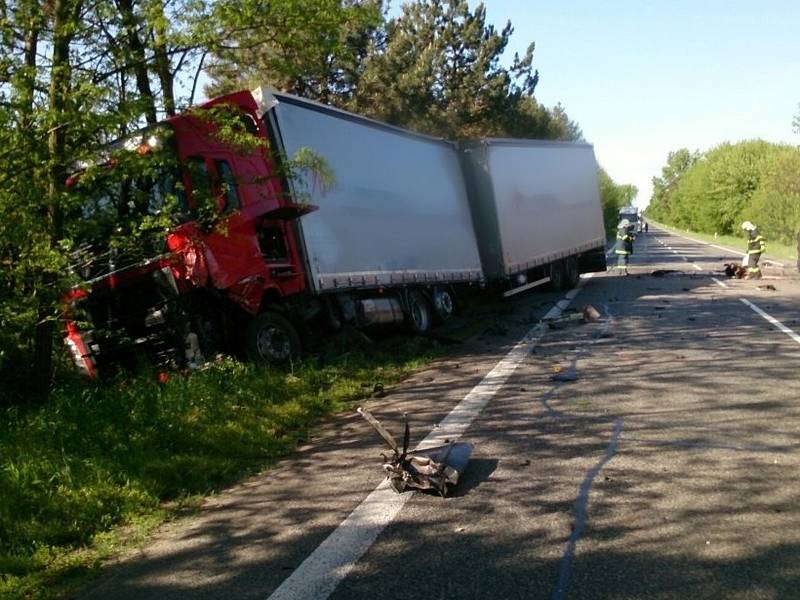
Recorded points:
420,313
272,339
571,273
558,276
444,303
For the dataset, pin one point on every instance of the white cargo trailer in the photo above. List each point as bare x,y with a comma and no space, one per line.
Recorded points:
536,209
398,211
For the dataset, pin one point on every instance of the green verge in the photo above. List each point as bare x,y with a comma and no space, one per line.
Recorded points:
88,476
775,250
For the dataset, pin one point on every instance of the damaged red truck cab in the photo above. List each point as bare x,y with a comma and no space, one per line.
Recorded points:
177,305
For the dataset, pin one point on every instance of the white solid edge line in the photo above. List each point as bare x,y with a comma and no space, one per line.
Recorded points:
320,573
719,283
772,320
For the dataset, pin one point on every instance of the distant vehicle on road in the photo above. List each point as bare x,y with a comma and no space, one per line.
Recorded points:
632,214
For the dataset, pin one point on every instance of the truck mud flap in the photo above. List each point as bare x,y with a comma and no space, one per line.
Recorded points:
437,468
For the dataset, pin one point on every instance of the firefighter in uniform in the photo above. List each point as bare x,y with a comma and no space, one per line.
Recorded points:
756,244
624,247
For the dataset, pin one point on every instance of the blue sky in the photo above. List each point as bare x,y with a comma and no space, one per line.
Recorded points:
646,77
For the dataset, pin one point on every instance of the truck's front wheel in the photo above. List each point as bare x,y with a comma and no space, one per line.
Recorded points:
272,339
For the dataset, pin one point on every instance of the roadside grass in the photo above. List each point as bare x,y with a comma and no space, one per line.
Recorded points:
737,244
95,470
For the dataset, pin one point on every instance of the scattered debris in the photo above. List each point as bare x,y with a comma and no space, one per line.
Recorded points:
659,308
428,469
565,376
735,270
591,314
666,272
767,288
690,319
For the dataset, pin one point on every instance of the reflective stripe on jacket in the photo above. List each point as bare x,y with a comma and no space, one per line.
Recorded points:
624,243
756,245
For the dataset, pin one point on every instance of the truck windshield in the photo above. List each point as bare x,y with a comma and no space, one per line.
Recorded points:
128,201
146,195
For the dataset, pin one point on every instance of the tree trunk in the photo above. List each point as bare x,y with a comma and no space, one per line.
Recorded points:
28,84
129,22
163,67
60,77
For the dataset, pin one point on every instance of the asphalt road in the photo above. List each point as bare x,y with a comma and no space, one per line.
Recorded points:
667,469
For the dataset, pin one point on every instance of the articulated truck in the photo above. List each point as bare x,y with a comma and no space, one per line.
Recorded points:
407,222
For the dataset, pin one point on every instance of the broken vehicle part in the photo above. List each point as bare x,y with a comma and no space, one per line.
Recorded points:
428,469
734,270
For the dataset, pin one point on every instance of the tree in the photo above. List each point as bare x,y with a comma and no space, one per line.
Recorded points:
313,48
775,205
73,75
678,162
439,72
613,197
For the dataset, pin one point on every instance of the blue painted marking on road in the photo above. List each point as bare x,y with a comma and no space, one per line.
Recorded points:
581,504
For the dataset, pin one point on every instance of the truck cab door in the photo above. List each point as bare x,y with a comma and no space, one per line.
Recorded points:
230,246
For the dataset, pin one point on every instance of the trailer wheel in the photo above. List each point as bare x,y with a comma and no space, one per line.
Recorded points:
272,339
420,315
571,273
557,276
444,304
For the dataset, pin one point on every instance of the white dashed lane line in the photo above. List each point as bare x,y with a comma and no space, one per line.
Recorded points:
719,283
734,252
756,309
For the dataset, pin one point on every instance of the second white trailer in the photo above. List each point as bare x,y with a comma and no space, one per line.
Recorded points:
535,208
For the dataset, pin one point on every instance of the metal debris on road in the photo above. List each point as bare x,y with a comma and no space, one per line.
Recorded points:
767,288
565,376
591,314
429,469
734,270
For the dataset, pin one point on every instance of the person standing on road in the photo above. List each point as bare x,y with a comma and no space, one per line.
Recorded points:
756,244
646,227
624,246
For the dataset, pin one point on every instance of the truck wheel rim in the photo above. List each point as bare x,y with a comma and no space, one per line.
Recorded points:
444,303
273,344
